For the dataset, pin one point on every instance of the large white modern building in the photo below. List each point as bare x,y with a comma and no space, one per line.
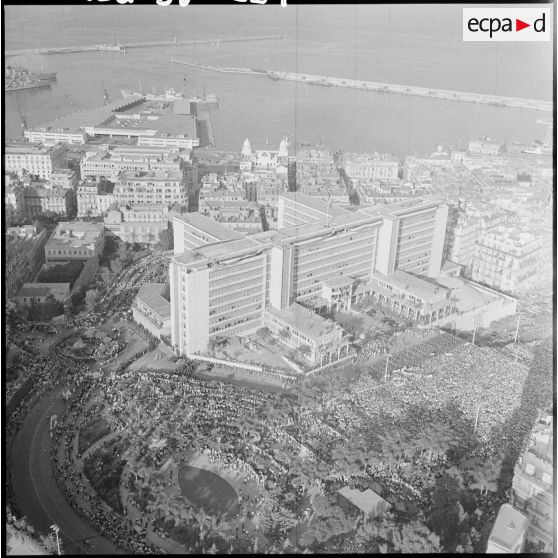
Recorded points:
221,285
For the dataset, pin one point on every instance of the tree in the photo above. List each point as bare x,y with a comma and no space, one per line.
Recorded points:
444,516
116,266
305,350
91,299
415,538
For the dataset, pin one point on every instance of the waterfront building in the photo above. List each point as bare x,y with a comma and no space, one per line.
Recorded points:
512,261
375,166
34,158
152,123
153,187
484,147
54,136
151,308
74,241
39,293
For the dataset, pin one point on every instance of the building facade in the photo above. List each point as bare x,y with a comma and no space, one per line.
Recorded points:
34,158
153,187
74,241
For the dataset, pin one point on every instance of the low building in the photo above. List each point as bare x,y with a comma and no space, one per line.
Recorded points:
297,327
413,297
151,309
365,503
54,136
508,533
74,241
39,293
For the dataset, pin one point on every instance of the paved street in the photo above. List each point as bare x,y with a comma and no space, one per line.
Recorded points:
37,494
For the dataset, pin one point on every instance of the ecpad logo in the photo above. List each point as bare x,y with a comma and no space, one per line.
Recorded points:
507,24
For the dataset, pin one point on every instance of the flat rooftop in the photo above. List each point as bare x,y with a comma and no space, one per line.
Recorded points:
427,290
208,226
509,527
75,234
313,203
151,295
366,501
43,289
304,320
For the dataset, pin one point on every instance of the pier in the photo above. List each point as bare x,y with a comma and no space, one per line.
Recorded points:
432,93
123,47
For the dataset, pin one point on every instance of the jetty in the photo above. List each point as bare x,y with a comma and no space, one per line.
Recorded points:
433,93
125,46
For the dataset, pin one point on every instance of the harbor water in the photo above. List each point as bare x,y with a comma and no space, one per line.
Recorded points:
396,44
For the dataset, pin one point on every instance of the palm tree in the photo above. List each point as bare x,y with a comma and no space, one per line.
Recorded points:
486,477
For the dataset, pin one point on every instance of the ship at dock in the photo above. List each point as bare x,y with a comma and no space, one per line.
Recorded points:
17,79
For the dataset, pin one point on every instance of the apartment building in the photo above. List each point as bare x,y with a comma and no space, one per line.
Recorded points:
63,178
152,187
34,158
375,166
24,255
141,223
109,161
42,200
533,485
512,261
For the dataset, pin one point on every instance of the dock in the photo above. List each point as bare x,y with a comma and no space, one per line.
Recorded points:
102,48
432,93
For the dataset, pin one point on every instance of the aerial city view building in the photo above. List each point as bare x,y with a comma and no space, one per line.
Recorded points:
294,313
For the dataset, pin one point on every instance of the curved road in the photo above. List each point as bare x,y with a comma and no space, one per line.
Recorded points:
35,489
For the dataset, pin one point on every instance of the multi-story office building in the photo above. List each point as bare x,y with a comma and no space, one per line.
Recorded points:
533,485
109,161
375,166
222,287
511,261
194,230
152,187
34,158
74,241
